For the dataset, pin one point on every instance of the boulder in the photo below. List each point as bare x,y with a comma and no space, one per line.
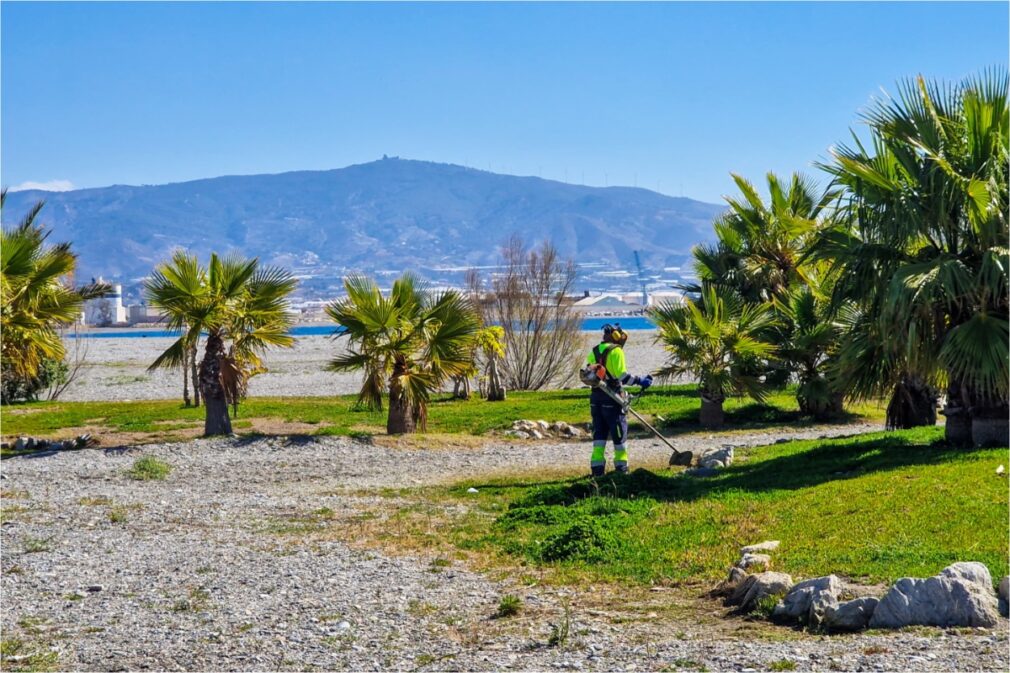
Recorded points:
767,545
543,426
961,595
755,588
752,561
702,472
729,585
1004,596
810,600
535,434
851,615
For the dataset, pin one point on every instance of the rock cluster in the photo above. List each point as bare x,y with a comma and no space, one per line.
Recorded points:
544,430
33,444
961,595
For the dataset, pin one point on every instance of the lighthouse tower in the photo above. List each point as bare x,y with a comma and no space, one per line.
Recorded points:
107,310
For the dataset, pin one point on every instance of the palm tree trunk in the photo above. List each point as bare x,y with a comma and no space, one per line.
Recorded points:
185,378
957,429
912,405
712,415
401,415
216,421
495,388
192,364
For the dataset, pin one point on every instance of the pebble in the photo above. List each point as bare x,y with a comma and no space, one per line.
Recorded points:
263,600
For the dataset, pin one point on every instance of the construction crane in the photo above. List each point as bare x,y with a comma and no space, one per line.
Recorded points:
641,279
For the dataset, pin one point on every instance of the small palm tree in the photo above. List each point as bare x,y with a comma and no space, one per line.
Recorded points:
408,343
809,346
37,296
240,307
718,340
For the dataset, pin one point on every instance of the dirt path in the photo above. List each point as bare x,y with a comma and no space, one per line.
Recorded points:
198,572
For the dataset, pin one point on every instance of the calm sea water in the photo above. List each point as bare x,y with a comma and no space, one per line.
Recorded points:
588,325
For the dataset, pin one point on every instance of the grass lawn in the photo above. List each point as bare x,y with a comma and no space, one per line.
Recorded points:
133,422
872,508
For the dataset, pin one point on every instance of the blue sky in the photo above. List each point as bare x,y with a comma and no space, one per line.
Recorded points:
670,97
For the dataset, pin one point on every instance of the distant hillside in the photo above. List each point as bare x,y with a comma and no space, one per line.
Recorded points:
387,214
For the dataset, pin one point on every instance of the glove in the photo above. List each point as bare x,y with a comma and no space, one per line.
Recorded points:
645,381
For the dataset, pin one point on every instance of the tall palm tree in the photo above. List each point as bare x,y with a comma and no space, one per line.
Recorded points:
37,295
408,343
926,205
717,340
240,307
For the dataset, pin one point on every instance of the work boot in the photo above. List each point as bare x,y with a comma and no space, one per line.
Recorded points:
622,468
598,470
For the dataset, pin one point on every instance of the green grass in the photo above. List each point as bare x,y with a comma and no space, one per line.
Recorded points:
677,405
16,655
873,508
149,468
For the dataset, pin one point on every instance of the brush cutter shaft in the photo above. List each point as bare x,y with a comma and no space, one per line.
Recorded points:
626,406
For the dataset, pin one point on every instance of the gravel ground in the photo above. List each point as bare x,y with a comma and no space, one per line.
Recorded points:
119,366
194,578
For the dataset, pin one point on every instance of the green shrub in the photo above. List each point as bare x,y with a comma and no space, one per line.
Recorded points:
509,606
149,468
16,388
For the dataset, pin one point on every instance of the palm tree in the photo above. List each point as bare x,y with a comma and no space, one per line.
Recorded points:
239,306
810,346
37,296
926,206
717,340
408,343
759,247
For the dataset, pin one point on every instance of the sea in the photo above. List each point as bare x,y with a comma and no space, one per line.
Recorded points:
588,325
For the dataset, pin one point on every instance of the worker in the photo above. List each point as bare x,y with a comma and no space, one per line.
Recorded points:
610,419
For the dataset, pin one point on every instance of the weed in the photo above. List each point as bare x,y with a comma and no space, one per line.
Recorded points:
203,570
197,601
765,606
324,513
149,468
248,626
560,631
117,514
34,545
875,649
75,596
15,569
782,665
438,564
509,606
420,608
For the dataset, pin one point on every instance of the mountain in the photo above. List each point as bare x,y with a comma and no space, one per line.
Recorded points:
389,214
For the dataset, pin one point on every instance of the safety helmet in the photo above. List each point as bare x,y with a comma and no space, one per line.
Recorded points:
614,334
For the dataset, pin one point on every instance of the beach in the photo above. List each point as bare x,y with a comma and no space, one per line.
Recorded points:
116,368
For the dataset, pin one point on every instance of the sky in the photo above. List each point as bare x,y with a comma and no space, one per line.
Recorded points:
670,97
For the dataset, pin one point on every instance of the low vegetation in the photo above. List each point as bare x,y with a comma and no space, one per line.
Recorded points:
873,508
674,408
149,468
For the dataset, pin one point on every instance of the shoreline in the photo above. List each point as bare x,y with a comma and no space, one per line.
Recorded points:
115,369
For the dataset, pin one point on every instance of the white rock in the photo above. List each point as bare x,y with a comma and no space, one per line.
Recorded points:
749,561
471,490
767,545
958,596
757,587
851,615
800,600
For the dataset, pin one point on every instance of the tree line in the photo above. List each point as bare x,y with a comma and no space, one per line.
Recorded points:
891,282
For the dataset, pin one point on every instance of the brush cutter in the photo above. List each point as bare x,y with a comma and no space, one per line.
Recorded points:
590,376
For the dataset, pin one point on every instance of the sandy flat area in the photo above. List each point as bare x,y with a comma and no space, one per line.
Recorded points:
116,368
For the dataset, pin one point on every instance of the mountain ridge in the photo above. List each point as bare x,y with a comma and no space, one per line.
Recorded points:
389,213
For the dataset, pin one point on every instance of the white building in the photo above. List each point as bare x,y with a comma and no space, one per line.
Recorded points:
107,310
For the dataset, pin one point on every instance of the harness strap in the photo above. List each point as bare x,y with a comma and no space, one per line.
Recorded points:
600,352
